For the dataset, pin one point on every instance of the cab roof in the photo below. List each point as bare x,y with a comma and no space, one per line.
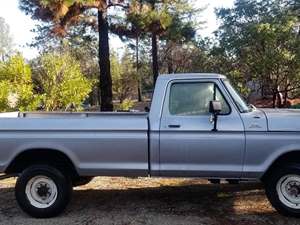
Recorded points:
191,76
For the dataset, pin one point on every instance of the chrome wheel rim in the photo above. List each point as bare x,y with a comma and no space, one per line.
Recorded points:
41,191
288,190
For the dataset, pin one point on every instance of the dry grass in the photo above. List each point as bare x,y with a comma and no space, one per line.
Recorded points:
125,201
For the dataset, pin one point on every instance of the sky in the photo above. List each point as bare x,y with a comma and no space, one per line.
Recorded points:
21,24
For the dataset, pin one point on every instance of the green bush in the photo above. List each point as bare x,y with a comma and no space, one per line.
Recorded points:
62,83
16,87
126,105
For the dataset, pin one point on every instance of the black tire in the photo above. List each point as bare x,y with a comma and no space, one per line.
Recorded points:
215,181
233,181
80,181
63,187
270,184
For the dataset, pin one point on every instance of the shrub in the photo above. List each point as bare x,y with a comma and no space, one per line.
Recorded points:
62,84
16,87
126,105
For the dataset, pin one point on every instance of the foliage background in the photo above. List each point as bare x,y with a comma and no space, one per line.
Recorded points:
257,45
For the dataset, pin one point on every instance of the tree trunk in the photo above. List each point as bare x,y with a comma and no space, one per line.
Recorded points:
170,66
140,99
279,99
262,93
286,95
274,99
154,58
170,58
285,101
104,64
154,49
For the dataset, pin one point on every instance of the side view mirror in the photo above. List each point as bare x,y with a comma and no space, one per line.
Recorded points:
215,108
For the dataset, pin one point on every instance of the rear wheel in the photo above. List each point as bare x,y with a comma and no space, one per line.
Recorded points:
283,190
43,191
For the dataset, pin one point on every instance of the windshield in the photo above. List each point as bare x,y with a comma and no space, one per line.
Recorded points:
236,97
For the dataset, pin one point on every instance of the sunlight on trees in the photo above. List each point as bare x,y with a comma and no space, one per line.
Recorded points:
6,41
261,41
62,84
16,87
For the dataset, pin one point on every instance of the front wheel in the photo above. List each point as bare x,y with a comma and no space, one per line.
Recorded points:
43,191
283,190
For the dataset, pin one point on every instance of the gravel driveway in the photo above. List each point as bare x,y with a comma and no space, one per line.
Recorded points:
124,201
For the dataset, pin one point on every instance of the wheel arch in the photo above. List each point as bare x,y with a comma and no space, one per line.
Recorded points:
290,157
50,156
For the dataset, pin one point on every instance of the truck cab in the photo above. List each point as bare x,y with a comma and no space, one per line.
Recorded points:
188,143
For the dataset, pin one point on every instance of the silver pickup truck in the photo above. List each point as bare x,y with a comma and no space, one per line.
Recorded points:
198,126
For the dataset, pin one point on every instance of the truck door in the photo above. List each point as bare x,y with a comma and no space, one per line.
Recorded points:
188,146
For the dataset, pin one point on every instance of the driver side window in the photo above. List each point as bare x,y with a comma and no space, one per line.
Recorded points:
190,99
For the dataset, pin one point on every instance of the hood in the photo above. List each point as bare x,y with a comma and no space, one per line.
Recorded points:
283,119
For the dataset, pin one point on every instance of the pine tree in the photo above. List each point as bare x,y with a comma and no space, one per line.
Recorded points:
67,13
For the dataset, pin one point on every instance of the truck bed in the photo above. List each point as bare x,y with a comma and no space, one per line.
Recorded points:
97,143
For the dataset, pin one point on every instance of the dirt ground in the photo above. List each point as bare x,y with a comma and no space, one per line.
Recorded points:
125,201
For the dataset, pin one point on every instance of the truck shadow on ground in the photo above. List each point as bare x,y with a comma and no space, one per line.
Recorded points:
182,204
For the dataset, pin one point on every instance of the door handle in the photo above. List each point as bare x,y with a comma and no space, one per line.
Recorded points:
174,126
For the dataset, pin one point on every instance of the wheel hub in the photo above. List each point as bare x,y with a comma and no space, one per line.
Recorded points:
288,190
41,191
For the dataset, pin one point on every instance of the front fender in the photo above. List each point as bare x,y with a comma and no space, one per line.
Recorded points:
263,149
